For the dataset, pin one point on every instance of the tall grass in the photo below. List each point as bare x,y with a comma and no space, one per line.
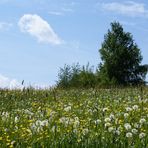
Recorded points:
74,118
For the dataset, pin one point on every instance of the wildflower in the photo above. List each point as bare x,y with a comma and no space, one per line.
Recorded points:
107,124
105,109
129,135
134,131
76,123
136,125
85,131
127,126
126,115
107,120
112,116
142,135
67,109
135,107
117,132
128,109
110,129
142,121
98,121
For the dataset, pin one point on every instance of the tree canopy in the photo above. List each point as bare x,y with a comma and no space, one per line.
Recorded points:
121,58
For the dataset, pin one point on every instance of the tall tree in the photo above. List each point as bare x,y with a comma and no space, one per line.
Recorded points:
121,58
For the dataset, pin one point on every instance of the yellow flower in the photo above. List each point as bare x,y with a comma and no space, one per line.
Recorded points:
1,138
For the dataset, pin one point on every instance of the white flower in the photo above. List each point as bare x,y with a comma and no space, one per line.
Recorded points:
126,115
107,120
98,121
136,125
127,126
134,131
76,124
135,107
128,109
142,121
117,132
107,124
16,119
85,131
141,135
67,109
112,116
44,123
105,109
110,129
129,135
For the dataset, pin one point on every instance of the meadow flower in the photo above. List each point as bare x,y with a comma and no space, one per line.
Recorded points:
85,131
142,121
67,109
136,125
107,120
105,109
129,135
107,124
127,126
135,107
117,132
76,124
126,115
128,109
98,121
110,129
142,135
112,116
134,131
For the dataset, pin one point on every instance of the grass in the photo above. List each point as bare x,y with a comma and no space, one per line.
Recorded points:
74,118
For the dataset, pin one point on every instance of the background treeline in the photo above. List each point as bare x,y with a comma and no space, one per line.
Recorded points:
120,65
77,76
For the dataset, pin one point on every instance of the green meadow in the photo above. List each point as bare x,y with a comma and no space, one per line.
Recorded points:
89,118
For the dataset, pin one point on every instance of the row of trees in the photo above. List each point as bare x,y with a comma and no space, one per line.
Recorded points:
121,63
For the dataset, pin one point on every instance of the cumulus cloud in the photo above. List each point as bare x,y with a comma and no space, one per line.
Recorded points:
129,8
5,82
5,26
39,28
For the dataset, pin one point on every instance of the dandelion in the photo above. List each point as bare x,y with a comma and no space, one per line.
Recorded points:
117,132
129,135
127,126
105,109
107,120
142,121
98,121
135,107
128,109
67,109
112,116
126,115
110,129
136,125
85,131
107,124
142,135
134,131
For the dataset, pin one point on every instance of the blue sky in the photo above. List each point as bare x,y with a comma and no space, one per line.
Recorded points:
37,37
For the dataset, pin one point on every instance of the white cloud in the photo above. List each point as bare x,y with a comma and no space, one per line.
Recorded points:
4,26
5,82
39,28
129,8
56,13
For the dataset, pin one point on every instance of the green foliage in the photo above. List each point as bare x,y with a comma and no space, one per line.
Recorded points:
74,118
76,76
121,58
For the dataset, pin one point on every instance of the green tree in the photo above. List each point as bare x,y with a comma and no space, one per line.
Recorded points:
121,58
